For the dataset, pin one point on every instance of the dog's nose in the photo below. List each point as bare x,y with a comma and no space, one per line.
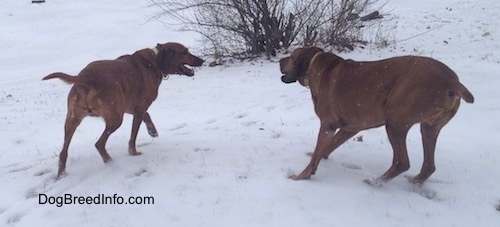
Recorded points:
199,61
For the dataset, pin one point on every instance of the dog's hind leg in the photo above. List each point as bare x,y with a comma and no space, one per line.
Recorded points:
73,118
113,122
400,161
430,132
150,126
429,138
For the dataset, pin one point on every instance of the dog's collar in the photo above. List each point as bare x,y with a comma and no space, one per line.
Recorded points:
314,58
306,79
155,50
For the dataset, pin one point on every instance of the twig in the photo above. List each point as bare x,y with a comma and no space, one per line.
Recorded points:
417,35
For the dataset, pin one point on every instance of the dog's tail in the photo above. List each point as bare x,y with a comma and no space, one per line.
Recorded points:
62,76
460,90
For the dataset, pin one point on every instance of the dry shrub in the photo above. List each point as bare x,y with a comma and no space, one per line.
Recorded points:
249,28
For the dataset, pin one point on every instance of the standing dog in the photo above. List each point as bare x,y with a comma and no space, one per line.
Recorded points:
128,84
398,92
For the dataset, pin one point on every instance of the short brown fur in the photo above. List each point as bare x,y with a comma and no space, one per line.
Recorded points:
128,84
351,96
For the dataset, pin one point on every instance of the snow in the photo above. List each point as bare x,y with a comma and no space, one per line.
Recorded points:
230,136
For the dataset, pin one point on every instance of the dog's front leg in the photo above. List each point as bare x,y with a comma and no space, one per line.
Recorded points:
323,146
340,137
150,126
138,118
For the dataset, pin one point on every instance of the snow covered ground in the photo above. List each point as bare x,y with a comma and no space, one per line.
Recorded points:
230,136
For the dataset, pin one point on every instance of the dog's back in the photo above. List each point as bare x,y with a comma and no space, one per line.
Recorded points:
397,77
380,87
122,83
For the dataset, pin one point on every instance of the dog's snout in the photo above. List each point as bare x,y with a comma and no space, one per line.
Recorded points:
196,61
282,64
285,69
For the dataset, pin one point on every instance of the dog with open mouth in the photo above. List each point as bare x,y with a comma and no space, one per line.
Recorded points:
128,84
350,96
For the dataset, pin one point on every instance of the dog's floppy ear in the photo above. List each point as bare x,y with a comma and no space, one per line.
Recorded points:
302,63
164,59
304,59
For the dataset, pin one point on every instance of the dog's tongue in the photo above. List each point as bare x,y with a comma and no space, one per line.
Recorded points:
186,71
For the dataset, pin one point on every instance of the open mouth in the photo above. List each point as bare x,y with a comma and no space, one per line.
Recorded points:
287,80
184,69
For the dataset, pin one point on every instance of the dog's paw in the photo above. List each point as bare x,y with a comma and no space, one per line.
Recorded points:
375,182
133,151
153,133
414,180
136,153
60,175
298,177
106,158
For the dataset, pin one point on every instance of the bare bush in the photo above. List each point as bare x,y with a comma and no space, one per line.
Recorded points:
344,27
249,28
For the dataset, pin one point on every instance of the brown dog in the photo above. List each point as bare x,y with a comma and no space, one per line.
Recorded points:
128,84
399,92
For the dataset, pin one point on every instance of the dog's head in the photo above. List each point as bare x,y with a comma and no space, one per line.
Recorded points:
174,58
295,66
